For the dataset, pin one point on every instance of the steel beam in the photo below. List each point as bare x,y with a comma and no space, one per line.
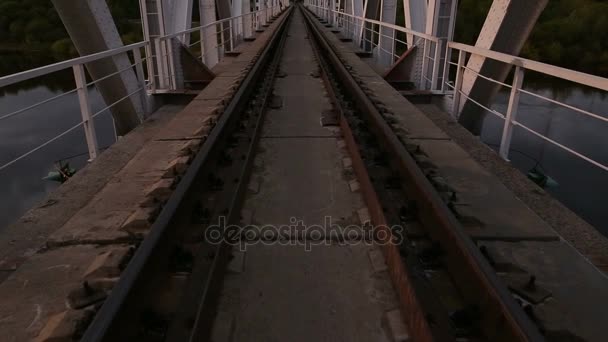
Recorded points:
371,10
436,18
92,29
247,19
357,6
506,29
179,17
209,34
415,17
386,46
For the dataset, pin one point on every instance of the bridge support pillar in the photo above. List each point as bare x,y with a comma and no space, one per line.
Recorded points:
243,25
209,34
371,10
506,29
436,18
247,20
92,29
179,17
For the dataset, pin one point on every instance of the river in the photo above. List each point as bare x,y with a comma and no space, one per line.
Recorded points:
21,184
580,183
579,187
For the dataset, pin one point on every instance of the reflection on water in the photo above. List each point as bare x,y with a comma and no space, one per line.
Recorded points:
580,183
21,184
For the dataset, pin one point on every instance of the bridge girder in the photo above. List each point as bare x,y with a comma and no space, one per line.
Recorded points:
92,29
506,29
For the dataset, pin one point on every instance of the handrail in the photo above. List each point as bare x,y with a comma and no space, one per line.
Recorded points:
198,28
78,63
51,68
559,72
387,25
521,65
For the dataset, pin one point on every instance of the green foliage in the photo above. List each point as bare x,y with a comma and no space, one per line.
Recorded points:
569,33
62,48
34,25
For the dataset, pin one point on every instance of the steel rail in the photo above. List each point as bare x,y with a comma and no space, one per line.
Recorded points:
203,279
102,322
400,277
503,319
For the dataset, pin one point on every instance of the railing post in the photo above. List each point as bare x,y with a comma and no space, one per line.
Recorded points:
393,44
446,66
425,62
202,35
231,33
160,64
171,63
458,86
150,65
507,132
436,61
222,39
139,69
85,110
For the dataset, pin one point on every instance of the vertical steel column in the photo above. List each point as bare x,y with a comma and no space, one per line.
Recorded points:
207,11
246,20
506,29
386,44
143,10
415,17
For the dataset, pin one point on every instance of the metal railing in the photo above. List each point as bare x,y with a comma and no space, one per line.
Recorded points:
435,75
521,65
369,35
214,40
81,89
224,35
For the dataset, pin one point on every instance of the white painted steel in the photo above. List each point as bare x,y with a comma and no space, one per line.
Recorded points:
507,131
85,110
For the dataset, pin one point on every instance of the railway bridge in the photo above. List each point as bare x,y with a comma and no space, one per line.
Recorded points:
301,171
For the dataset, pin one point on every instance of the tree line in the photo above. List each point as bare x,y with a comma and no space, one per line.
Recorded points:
34,25
569,33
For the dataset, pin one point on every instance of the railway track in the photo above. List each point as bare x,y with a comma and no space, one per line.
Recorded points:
171,288
168,283
399,192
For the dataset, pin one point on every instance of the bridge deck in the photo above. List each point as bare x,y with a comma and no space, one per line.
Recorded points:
330,292
87,225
